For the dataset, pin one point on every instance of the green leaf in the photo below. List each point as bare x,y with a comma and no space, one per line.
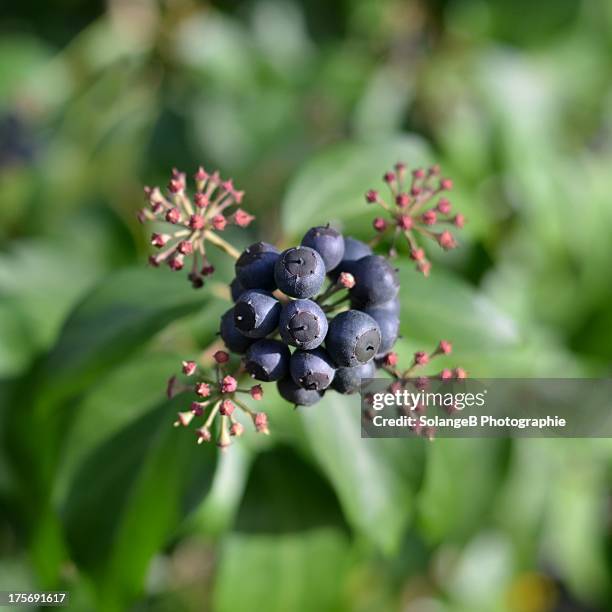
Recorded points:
375,479
116,318
332,185
297,572
128,478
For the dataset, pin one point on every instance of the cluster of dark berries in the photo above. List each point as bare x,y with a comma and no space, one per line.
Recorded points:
193,222
338,333
418,207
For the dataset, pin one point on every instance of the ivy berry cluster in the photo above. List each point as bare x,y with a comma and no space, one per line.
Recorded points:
314,318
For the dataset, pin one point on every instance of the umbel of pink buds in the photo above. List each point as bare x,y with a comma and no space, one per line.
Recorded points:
217,401
416,206
193,222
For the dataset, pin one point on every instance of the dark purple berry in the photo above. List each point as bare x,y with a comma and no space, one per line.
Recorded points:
293,393
256,313
328,243
235,341
389,327
376,281
348,380
267,360
303,324
353,338
353,250
299,272
255,266
236,289
313,370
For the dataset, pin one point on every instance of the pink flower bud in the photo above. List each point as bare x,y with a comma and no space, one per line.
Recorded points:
400,166
445,347
201,200
189,367
347,280
446,240
203,434
419,173
371,196
405,222
391,359
176,262
196,222
415,191
219,222
207,270
460,373
185,247
176,185
429,217
444,206
228,384
201,174
459,220
417,254
221,357
236,429
159,240
389,177
421,358
256,392
242,218
446,374
184,418
173,215
202,389
379,224
424,267
261,422
446,184
197,408
402,200
227,407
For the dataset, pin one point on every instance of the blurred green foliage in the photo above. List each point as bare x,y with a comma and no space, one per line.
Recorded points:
305,104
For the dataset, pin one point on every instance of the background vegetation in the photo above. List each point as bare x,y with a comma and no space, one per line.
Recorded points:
305,104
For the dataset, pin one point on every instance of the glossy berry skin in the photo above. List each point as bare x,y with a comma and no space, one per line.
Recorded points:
303,324
255,266
236,289
353,251
328,242
348,380
312,370
256,313
299,272
353,338
235,341
294,394
375,281
389,327
267,360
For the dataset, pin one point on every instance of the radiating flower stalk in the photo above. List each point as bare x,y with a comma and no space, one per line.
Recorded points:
216,401
410,378
418,208
192,222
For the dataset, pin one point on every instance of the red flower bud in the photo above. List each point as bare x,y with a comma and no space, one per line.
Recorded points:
421,358
219,222
196,222
228,384
402,200
221,357
256,392
261,422
173,215
371,196
446,240
189,367
202,389
444,206
429,217
405,222
379,224
227,407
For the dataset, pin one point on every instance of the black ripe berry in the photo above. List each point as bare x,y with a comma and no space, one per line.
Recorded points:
236,289
328,243
267,360
256,313
375,281
313,370
303,324
353,251
293,393
299,272
235,341
255,266
348,380
353,338
389,327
